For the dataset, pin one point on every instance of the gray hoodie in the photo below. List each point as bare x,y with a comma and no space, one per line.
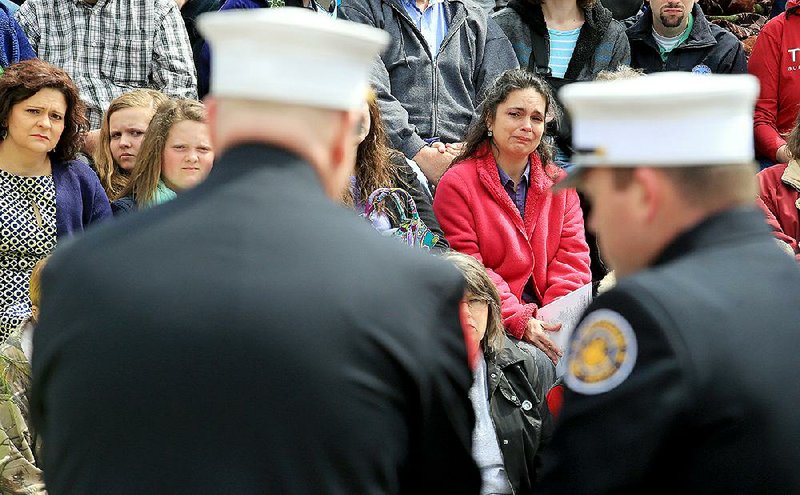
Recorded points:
423,94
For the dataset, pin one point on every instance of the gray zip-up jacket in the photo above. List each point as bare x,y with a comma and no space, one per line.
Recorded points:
423,94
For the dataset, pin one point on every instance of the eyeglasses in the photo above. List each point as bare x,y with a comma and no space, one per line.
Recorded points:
475,303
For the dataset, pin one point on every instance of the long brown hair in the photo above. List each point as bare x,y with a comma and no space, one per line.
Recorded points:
24,79
374,159
505,84
147,171
112,176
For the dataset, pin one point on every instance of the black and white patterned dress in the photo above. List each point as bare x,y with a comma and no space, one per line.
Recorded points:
27,234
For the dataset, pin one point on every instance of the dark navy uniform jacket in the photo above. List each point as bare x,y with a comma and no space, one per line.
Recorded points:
251,337
683,378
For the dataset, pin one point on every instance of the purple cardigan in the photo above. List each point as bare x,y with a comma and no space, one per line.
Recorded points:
80,199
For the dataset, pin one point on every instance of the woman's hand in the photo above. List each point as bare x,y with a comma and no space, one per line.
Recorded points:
783,155
535,333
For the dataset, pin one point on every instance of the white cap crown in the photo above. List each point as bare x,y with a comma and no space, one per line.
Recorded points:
290,55
667,119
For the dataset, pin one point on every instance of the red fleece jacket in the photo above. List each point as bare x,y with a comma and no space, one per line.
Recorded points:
779,201
479,219
776,62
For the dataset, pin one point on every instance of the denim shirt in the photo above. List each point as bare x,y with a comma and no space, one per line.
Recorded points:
432,23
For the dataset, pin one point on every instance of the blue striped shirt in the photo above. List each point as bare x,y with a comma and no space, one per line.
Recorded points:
562,44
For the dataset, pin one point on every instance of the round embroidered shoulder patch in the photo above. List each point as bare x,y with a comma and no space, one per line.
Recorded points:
601,354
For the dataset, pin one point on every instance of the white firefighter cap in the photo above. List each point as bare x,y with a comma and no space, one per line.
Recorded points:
290,55
672,119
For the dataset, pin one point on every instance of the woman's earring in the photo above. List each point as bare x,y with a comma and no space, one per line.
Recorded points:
3,134
489,133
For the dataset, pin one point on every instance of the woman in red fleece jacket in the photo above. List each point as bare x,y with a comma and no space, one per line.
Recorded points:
779,195
495,204
776,62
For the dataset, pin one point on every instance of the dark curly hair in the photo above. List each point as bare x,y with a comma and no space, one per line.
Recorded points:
24,79
505,84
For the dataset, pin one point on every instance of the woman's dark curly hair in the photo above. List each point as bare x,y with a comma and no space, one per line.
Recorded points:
23,80
508,82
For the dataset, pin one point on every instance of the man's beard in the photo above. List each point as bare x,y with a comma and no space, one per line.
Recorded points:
671,22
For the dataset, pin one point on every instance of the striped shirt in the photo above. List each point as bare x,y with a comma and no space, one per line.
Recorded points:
562,44
667,44
113,46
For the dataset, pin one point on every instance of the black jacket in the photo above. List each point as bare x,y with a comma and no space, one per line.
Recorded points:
267,342
708,46
518,384
710,404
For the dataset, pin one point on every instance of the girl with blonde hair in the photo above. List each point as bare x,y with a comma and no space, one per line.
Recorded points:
121,134
175,156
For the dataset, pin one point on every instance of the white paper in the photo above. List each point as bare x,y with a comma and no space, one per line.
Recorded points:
566,310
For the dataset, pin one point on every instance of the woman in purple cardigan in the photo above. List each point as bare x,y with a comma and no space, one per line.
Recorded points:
45,194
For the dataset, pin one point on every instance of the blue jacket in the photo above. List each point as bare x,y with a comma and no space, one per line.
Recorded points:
80,199
14,45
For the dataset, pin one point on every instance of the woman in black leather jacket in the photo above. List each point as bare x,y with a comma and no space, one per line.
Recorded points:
512,420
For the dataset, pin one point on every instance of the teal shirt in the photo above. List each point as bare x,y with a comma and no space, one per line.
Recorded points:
562,44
